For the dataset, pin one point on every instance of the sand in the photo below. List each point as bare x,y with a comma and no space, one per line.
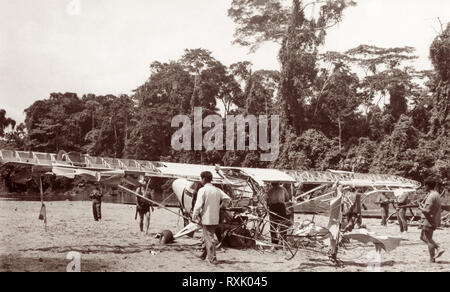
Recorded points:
115,244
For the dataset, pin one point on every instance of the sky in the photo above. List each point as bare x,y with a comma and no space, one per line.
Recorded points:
106,46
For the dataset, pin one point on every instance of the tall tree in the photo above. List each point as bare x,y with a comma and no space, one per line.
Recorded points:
440,57
385,76
395,153
230,93
16,139
261,21
300,32
95,111
208,73
5,122
114,118
166,94
260,92
239,75
338,99
53,123
241,71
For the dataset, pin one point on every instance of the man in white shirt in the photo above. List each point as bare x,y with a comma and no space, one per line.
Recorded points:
207,211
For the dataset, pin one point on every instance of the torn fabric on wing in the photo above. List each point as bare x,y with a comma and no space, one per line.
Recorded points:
387,243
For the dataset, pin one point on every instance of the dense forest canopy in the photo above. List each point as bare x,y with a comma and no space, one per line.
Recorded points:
329,102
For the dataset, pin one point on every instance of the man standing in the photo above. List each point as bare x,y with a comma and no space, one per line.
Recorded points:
432,213
353,211
143,207
207,211
402,201
277,197
96,196
383,201
358,210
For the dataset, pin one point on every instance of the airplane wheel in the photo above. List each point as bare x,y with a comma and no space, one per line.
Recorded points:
166,237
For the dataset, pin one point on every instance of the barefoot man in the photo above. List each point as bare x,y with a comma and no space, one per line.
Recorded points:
432,213
96,196
143,206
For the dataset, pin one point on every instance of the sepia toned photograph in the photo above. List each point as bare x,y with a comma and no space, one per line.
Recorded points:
210,137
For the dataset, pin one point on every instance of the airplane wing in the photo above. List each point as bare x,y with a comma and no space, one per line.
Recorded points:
262,175
76,164
352,179
188,171
89,167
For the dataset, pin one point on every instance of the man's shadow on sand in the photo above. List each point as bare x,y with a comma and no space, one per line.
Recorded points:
117,249
195,255
236,262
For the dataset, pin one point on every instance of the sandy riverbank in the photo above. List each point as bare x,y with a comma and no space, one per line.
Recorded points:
115,244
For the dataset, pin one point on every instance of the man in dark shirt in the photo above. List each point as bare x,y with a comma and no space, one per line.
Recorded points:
96,196
143,206
277,197
432,219
353,212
